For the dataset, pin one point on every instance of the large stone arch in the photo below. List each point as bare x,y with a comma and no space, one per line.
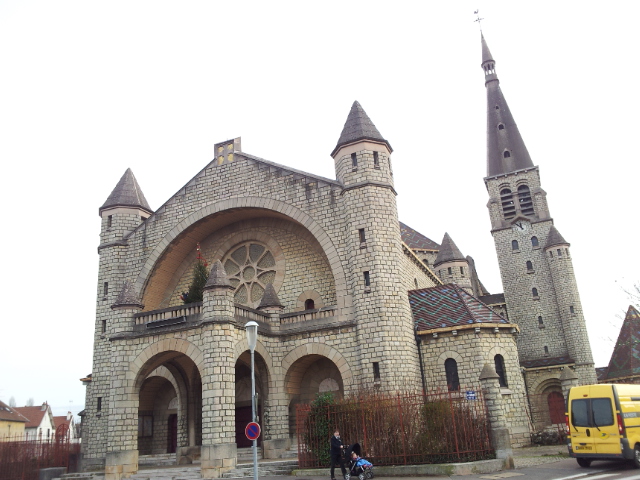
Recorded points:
323,350
252,202
539,385
243,345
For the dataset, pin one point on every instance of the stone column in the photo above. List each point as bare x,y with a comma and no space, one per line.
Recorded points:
499,433
568,379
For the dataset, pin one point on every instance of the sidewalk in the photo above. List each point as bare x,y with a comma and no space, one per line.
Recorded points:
538,455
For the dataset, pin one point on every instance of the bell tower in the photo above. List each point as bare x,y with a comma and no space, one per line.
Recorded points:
538,286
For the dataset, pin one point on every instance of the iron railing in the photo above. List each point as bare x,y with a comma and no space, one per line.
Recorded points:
402,429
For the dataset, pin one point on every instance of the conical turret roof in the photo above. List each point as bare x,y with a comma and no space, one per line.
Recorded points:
506,151
625,359
217,277
270,298
127,194
358,127
448,251
554,238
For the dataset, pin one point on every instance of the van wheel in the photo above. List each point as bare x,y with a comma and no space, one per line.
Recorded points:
636,456
586,462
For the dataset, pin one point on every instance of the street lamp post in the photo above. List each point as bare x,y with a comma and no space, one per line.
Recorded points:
252,339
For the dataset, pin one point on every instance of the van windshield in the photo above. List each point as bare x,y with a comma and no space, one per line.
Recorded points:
591,412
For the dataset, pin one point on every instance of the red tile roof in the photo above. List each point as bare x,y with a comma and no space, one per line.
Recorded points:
9,414
34,415
57,421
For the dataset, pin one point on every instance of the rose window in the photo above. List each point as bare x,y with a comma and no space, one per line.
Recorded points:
250,267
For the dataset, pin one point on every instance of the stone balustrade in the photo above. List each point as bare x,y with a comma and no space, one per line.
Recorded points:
181,311
307,315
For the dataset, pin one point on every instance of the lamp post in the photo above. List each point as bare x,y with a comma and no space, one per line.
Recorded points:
252,339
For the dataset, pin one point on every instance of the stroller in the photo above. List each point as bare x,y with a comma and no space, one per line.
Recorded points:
359,467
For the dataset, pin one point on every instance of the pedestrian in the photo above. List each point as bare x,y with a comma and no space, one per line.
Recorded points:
336,454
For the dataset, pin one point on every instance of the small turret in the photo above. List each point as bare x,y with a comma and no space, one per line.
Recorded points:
218,294
270,302
452,266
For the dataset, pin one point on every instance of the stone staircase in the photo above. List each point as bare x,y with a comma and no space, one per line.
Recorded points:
265,469
159,460
82,476
185,472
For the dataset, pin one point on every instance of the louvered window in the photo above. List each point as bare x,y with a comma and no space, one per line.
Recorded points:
524,196
508,206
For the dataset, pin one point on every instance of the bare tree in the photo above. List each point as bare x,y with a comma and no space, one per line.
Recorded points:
12,402
30,402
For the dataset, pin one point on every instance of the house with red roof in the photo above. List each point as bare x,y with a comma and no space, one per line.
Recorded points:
11,422
40,423
69,422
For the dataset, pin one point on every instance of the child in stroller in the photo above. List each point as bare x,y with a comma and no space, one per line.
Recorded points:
357,466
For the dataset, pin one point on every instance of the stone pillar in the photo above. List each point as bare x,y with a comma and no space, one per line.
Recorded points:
120,464
499,433
568,379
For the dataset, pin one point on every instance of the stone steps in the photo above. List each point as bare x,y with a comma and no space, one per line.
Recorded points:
159,460
265,469
168,473
82,476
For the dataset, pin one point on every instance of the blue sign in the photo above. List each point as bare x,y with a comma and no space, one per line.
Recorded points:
471,394
252,431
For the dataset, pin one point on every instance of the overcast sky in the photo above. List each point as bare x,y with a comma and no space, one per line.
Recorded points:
88,89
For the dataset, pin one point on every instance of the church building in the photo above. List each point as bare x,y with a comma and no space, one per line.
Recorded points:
346,298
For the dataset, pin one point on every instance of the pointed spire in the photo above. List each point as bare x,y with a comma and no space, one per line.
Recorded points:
359,127
554,238
506,151
128,296
448,251
217,277
127,194
625,359
270,298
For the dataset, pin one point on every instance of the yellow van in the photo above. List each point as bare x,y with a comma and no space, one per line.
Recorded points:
604,423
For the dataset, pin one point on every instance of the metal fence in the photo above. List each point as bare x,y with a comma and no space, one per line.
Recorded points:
22,459
403,429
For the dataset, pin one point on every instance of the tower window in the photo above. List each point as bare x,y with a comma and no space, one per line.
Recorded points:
451,371
559,252
508,207
449,271
500,126
534,292
109,221
354,160
462,271
550,254
362,235
309,304
524,196
415,281
500,370
514,245
497,107
376,160
105,288
99,407
367,280
546,350
571,309
104,326
540,321
376,371
426,261
506,154
534,242
529,265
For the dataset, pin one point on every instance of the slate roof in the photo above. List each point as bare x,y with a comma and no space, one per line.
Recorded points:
358,127
217,276
601,374
270,297
505,139
448,252
127,194
33,415
415,240
448,306
493,299
546,362
9,414
554,238
625,359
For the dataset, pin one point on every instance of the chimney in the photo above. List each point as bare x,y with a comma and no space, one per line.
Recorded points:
68,416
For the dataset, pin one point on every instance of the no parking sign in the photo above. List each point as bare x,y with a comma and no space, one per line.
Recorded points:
252,431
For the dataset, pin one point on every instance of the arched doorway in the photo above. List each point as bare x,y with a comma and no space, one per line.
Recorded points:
555,402
243,395
170,404
308,376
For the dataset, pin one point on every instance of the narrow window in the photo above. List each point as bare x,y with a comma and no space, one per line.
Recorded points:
109,221
540,322
559,252
550,253
514,245
571,309
354,160
415,280
462,271
506,154
105,288
367,280
363,238
99,404
508,207
449,271
500,126
534,242
546,350
376,371
500,370
451,370
376,160
534,291
529,265
524,197
309,304
104,326
426,261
